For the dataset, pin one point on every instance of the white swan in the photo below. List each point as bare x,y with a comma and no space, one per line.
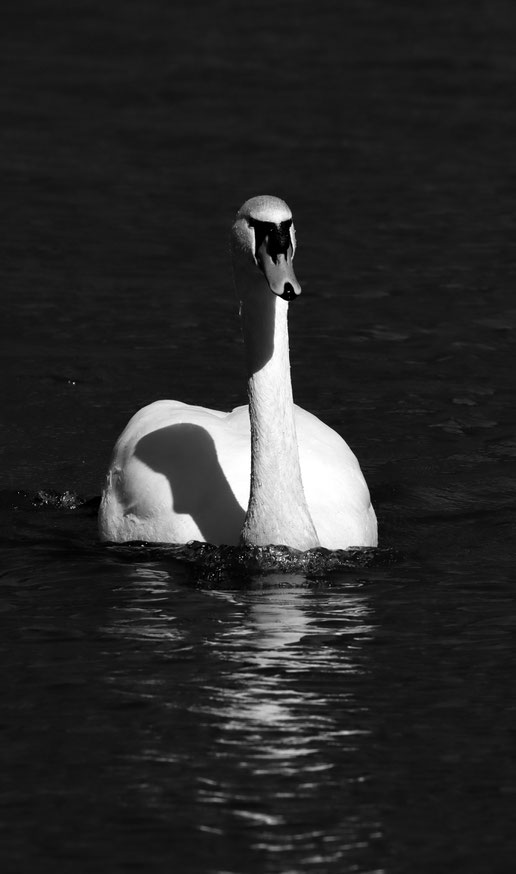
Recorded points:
269,473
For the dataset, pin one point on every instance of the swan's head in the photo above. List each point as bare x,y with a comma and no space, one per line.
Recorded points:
264,240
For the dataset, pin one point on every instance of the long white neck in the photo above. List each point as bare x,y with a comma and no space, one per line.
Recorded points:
277,512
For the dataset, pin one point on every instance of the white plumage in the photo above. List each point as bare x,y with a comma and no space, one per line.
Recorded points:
267,473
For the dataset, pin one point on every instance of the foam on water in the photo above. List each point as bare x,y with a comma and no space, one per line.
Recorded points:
238,563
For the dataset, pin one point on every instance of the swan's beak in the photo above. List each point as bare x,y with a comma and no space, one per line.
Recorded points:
279,272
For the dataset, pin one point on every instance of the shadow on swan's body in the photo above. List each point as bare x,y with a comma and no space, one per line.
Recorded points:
269,473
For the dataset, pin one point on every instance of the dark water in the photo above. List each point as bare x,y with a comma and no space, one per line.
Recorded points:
160,716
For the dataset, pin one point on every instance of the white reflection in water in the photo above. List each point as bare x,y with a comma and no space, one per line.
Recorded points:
278,619
285,638
292,725
259,689
145,614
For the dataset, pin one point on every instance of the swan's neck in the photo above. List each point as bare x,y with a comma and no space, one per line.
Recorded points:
277,511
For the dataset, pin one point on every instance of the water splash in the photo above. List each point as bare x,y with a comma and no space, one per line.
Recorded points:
222,563
57,500
46,499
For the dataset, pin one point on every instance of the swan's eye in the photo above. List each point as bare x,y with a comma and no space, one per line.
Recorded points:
276,237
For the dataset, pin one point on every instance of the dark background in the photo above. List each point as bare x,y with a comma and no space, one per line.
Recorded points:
131,134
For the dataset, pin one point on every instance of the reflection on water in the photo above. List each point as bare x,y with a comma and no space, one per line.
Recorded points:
277,618
273,696
144,618
282,718
268,653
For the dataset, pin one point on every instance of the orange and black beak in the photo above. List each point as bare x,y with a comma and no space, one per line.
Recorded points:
274,252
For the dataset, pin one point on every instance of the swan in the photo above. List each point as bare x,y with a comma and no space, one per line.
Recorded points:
266,473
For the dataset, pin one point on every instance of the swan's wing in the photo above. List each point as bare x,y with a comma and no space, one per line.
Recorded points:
178,472
336,491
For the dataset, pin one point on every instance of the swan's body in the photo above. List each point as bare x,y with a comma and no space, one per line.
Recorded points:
269,473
